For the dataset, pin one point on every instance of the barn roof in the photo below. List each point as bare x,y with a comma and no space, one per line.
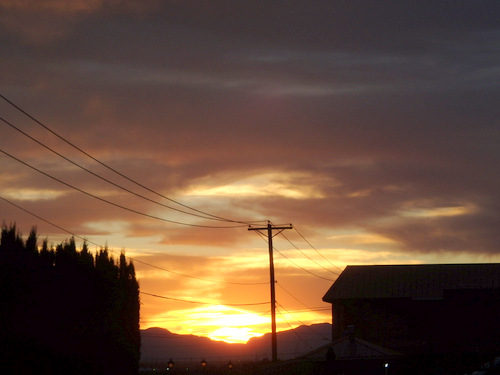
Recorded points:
428,281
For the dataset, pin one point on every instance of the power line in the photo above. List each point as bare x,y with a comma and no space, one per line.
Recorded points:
214,217
145,293
300,234
291,261
302,268
199,278
204,303
103,178
130,258
307,256
314,309
167,320
301,322
113,169
116,204
308,310
294,331
294,297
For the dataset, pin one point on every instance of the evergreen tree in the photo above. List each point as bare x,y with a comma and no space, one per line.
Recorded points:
64,310
31,242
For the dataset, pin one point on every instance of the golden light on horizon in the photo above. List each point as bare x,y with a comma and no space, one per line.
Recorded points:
217,322
234,335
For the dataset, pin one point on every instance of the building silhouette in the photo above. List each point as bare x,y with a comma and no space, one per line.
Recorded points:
441,318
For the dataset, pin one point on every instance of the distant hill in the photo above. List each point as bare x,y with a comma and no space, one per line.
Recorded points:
292,343
159,345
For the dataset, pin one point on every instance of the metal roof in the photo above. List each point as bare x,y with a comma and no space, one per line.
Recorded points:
427,281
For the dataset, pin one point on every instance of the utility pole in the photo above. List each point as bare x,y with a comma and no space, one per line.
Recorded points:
270,228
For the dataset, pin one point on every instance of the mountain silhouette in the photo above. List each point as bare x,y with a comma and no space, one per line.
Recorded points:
161,345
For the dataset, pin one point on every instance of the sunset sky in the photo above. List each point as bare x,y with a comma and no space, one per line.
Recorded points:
371,126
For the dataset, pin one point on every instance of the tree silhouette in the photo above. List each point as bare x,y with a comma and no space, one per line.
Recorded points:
64,310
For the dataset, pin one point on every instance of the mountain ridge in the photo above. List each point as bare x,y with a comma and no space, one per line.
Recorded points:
160,344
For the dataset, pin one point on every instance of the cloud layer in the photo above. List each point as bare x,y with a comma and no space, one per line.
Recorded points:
372,126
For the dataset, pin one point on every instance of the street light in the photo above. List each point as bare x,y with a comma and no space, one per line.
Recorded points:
170,364
230,365
386,366
203,363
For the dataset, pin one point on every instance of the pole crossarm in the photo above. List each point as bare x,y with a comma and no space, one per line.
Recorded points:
270,236
281,229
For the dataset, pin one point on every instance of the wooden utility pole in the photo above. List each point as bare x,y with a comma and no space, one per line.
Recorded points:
270,228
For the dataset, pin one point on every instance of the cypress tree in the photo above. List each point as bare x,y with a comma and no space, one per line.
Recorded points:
64,310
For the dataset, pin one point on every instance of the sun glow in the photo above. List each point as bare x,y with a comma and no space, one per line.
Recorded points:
217,322
234,335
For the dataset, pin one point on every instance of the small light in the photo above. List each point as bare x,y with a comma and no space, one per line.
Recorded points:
386,365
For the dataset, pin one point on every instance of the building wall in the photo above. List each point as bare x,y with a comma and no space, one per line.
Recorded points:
465,324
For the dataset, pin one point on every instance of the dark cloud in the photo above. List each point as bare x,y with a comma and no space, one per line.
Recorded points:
472,233
383,107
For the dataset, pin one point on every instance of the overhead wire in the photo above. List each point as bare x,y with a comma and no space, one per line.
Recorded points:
301,322
294,297
201,214
302,268
135,260
325,258
314,309
204,303
130,258
161,296
291,261
113,203
199,278
265,313
206,215
104,178
307,256
293,330
115,170
307,307
114,184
